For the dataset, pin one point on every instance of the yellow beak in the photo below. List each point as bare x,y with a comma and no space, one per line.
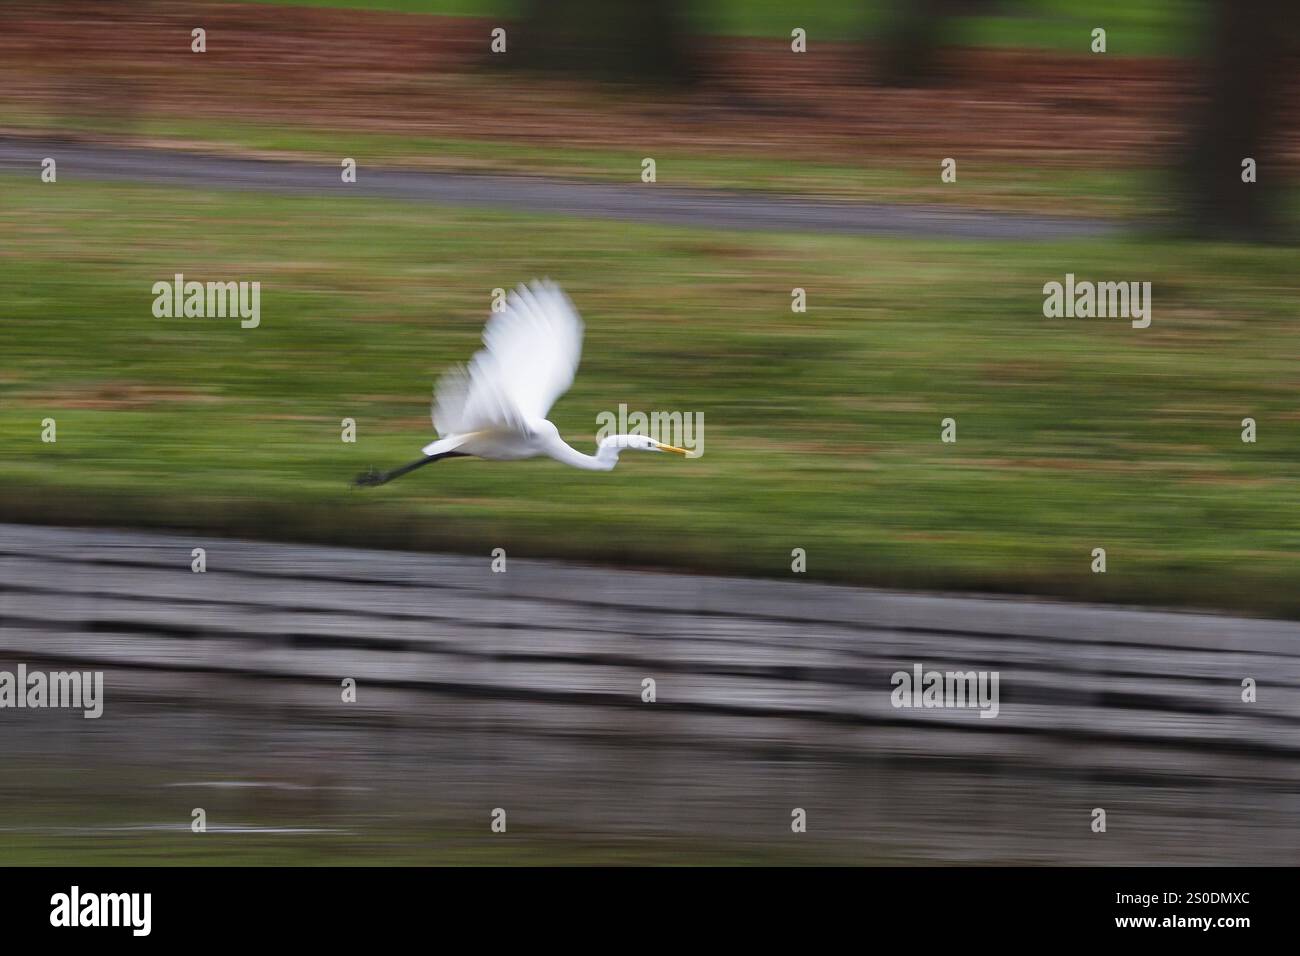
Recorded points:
672,448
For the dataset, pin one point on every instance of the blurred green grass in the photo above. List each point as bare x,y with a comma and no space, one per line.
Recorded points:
1134,27
822,429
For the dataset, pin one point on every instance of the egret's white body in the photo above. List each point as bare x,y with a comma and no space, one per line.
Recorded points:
496,407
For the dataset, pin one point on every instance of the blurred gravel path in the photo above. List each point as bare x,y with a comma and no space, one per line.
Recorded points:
635,202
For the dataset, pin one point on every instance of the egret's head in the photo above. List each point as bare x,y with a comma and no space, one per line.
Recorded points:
642,443
616,443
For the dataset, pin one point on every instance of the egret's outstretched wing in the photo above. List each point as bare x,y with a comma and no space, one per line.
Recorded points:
531,352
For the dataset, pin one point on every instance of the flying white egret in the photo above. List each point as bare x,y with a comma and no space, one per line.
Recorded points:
496,408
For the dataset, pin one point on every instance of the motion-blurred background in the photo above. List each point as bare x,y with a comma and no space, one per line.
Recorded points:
822,427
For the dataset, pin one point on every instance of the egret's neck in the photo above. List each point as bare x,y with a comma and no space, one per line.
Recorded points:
605,459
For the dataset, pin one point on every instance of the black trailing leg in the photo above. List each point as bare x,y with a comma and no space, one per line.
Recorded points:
372,477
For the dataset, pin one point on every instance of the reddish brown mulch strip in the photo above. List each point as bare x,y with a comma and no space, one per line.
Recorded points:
431,76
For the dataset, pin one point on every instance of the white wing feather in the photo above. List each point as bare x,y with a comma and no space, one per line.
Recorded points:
531,353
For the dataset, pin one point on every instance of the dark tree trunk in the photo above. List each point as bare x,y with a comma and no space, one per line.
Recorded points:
1238,118
635,40
914,36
